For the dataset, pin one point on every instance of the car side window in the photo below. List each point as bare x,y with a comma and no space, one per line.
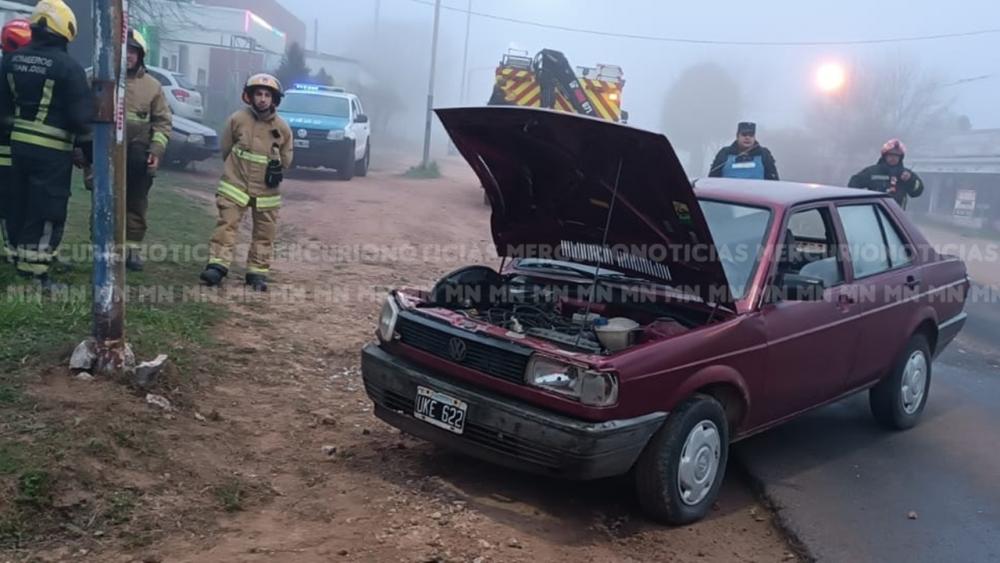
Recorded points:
899,253
865,239
809,248
159,77
357,109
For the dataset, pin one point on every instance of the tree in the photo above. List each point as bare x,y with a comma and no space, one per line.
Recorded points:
323,78
702,110
293,66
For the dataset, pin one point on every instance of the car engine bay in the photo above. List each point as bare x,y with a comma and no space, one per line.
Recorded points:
583,317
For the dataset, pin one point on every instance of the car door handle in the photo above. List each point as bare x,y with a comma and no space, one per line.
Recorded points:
911,282
844,299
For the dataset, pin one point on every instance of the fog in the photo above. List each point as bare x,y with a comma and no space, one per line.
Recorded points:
777,82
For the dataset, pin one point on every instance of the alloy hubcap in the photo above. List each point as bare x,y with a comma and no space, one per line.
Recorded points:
914,382
699,462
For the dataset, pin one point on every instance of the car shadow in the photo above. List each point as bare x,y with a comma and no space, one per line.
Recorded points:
561,511
824,436
311,174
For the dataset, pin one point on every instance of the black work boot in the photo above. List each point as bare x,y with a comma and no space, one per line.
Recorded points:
133,262
213,274
257,282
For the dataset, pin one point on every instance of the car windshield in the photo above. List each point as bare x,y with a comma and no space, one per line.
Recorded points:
738,232
183,82
316,105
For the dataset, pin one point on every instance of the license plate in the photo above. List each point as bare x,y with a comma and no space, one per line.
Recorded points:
302,143
440,410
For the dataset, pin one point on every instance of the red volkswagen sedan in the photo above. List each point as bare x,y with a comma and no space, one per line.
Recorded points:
640,322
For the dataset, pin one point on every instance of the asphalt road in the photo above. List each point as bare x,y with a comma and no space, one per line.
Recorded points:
851,491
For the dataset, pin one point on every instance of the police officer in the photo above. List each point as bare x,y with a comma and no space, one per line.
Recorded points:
256,149
149,121
45,98
888,175
745,158
15,35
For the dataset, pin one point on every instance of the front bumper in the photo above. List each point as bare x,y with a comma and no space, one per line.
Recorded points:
329,154
506,431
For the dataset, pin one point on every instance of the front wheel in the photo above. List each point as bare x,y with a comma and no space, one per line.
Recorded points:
345,171
898,400
361,167
679,474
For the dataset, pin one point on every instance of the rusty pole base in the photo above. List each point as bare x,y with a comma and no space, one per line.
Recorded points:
112,359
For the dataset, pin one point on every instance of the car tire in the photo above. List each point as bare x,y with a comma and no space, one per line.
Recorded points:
679,474
361,167
345,170
899,399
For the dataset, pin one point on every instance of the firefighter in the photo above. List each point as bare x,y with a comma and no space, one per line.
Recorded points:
15,35
745,158
149,125
45,98
256,148
888,175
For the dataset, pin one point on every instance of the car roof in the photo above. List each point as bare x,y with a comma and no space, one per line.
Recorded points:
774,193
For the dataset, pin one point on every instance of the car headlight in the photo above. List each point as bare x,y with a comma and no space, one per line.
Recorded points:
335,135
387,319
196,139
594,388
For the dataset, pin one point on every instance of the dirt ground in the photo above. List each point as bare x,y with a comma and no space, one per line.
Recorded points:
272,452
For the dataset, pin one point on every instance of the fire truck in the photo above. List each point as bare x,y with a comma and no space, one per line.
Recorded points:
547,80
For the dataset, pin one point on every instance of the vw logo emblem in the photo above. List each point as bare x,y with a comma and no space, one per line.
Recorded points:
456,349
303,133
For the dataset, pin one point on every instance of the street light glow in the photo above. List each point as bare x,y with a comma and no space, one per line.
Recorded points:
831,77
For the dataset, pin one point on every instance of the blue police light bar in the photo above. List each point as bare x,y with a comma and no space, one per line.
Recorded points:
316,88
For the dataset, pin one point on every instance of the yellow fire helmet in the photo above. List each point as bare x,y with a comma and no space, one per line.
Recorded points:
262,81
135,39
55,16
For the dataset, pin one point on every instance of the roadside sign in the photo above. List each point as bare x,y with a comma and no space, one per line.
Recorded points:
965,203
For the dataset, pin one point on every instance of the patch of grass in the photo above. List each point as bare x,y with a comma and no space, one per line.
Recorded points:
14,528
231,495
14,457
421,172
35,487
39,329
99,449
9,395
121,506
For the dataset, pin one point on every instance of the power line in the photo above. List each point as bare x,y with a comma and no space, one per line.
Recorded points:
662,39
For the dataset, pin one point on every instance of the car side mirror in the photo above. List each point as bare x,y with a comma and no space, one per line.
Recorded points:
795,287
361,118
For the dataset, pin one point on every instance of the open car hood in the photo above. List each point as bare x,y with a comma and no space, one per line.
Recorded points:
551,178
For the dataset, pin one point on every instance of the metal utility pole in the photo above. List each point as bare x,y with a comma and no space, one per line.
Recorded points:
430,86
316,36
111,19
465,58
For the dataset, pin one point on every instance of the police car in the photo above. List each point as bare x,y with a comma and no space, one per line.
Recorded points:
330,129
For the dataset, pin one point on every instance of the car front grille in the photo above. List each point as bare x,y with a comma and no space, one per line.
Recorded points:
311,134
490,360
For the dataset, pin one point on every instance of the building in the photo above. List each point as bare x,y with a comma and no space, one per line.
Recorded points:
962,179
345,71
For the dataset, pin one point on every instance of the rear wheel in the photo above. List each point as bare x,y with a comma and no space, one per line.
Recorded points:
361,167
679,474
898,400
345,171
